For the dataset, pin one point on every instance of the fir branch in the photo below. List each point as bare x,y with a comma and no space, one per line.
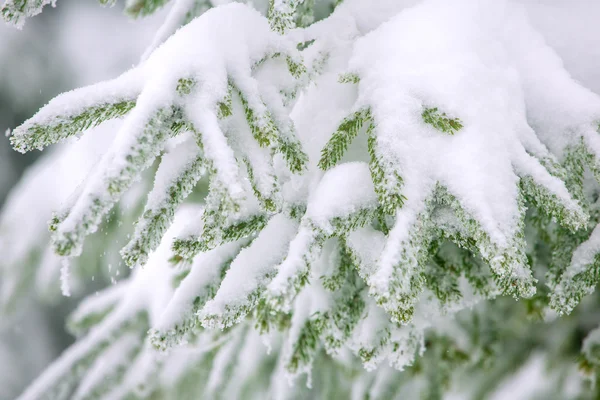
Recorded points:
564,214
349,78
388,182
281,14
91,207
165,338
304,347
159,214
337,145
441,121
38,136
16,11
143,8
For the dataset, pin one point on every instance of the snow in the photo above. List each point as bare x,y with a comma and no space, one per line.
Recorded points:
131,153
527,383
38,183
63,365
173,21
482,63
334,197
301,250
180,169
221,54
366,245
559,108
69,104
241,141
371,334
445,55
64,277
140,378
23,222
317,116
568,28
446,68
251,356
584,256
172,165
343,190
194,226
250,269
204,273
210,65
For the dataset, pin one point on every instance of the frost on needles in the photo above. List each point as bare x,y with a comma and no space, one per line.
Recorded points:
370,186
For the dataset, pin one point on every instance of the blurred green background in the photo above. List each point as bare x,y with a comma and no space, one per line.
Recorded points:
74,44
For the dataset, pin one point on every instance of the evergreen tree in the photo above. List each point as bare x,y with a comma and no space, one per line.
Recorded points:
384,199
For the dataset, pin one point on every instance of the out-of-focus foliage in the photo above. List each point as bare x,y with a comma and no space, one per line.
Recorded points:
36,63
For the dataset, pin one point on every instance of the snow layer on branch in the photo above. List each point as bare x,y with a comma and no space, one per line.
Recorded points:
235,37
258,159
250,271
138,142
584,256
171,167
371,335
559,108
181,13
198,286
334,207
157,282
570,29
366,245
179,171
438,62
351,19
316,116
343,190
73,112
580,277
